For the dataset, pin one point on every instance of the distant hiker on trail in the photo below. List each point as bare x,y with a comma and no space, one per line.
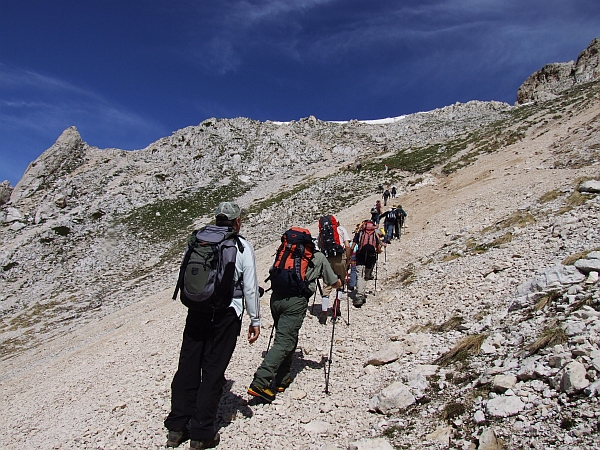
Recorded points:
334,242
379,211
380,188
293,279
358,166
386,195
215,299
369,244
387,168
400,215
389,223
393,191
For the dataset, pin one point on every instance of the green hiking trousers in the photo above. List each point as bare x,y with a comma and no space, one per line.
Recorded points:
288,314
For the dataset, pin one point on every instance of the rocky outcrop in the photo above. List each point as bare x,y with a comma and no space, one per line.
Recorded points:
67,153
5,191
548,82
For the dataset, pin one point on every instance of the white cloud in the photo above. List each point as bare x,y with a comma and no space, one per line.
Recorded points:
39,103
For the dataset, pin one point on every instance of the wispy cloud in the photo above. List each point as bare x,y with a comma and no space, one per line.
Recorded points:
40,103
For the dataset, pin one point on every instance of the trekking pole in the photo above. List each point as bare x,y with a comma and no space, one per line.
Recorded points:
333,321
376,259
312,308
271,337
347,297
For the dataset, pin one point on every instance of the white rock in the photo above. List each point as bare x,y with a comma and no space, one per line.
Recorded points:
394,397
590,186
390,352
371,444
479,417
441,434
501,383
588,265
592,277
503,406
489,441
297,394
573,378
12,215
317,427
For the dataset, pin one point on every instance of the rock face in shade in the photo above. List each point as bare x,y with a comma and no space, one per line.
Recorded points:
553,79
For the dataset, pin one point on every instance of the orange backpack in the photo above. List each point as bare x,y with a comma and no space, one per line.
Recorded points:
293,258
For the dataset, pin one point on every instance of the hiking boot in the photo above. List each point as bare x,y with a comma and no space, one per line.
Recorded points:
205,443
323,317
176,438
265,393
281,387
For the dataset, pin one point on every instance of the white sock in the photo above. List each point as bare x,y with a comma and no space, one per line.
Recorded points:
324,303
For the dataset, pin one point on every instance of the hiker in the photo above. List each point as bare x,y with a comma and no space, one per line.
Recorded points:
386,195
289,301
334,243
387,168
393,191
389,224
380,188
212,327
378,209
369,245
400,215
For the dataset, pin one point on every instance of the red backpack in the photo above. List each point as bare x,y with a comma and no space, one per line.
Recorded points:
367,237
293,258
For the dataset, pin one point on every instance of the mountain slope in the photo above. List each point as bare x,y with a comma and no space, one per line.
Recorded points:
474,235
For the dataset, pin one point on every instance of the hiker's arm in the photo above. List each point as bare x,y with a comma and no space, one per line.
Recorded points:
253,333
251,294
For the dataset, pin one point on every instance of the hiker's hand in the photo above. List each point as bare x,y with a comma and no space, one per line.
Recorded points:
253,333
337,284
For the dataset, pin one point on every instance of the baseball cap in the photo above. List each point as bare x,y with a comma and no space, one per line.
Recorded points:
228,209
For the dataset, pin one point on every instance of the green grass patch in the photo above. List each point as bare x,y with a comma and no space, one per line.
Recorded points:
166,219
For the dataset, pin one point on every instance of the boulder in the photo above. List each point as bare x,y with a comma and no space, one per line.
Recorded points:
504,406
441,434
551,278
587,265
394,397
489,441
371,444
387,354
573,378
590,186
501,383
317,427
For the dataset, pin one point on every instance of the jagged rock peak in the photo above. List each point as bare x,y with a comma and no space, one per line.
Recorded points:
66,154
5,191
554,78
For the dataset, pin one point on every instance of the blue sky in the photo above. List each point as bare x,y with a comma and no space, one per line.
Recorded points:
129,72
